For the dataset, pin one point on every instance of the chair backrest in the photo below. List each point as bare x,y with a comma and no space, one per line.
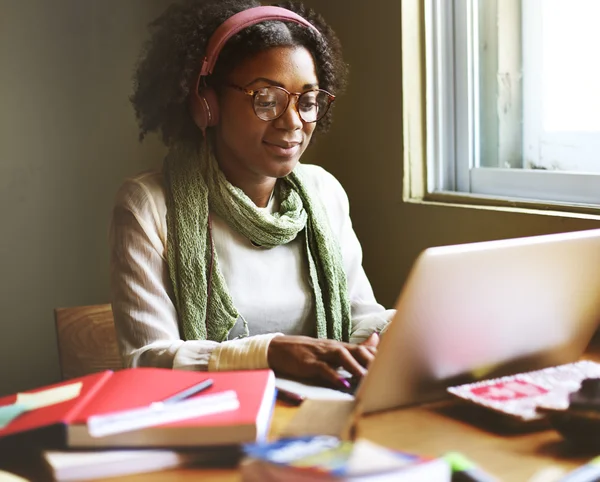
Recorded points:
87,340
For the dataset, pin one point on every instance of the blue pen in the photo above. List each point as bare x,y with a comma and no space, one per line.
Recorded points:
463,470
188,392
589,472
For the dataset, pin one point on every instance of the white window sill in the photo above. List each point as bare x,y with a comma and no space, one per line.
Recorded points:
505,204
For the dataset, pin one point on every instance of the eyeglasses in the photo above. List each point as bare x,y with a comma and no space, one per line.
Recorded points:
271,102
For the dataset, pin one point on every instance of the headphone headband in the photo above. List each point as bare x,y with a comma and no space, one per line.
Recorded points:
240,21
204,104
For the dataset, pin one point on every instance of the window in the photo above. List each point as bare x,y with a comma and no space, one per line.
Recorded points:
513,99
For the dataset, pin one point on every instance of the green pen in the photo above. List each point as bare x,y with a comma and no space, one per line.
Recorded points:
464,470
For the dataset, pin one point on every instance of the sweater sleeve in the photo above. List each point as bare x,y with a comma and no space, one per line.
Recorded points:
145,316
367,314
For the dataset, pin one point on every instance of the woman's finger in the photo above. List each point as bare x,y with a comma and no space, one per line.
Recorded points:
329,374
373,340
372,349
338,355
363,354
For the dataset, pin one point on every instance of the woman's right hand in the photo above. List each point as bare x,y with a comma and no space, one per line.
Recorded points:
307,358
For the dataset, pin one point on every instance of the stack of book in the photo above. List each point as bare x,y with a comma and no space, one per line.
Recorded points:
83,425
80,465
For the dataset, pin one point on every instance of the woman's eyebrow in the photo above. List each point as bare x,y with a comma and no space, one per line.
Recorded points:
310,86
264,79
278,84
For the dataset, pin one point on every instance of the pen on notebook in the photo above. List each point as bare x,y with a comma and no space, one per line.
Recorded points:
464,470
589,472
188,392
160,413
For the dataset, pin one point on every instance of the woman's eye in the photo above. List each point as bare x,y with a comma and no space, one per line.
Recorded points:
265,100
265,104
307,106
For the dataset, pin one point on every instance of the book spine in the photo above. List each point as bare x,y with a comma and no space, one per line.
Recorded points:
86,397
267,407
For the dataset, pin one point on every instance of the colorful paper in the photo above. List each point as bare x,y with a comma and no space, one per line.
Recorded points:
49,397
31,401
519,395
9,412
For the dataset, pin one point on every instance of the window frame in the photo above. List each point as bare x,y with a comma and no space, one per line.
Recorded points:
451,117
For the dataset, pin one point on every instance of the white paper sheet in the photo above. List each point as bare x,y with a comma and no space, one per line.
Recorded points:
311,392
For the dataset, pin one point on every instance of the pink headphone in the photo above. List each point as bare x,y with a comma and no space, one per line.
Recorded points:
203,100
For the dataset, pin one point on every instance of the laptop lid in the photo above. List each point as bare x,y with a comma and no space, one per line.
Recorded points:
486,309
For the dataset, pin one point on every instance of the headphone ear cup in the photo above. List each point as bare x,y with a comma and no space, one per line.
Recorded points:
205,108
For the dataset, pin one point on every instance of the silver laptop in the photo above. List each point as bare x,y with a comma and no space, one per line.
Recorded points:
481,310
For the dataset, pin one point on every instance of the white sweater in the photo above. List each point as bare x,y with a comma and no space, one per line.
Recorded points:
269,287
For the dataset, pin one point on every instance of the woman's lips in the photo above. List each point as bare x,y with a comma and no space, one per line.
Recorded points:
283,149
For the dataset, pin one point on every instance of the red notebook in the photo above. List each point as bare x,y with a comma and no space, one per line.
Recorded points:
65,424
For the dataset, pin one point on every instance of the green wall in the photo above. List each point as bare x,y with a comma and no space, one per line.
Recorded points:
67,140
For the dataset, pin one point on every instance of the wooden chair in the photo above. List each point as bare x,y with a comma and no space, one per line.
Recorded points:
87,340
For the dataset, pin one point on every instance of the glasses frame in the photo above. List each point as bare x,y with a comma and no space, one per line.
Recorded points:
254,93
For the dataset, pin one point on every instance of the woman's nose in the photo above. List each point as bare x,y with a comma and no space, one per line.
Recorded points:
291,119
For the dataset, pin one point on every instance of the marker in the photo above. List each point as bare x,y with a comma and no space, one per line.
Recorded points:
464,470
345,382
188,392
289,397
589,472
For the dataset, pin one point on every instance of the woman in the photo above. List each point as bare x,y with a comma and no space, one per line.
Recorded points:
236,256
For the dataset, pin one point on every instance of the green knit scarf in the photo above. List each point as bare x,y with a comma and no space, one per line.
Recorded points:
194,186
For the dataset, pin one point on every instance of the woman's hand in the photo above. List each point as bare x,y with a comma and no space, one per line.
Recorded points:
304,357
372,341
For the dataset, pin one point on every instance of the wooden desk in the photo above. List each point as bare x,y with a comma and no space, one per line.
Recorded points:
433,429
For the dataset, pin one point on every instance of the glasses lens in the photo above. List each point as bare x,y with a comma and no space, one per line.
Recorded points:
270,102
313,105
